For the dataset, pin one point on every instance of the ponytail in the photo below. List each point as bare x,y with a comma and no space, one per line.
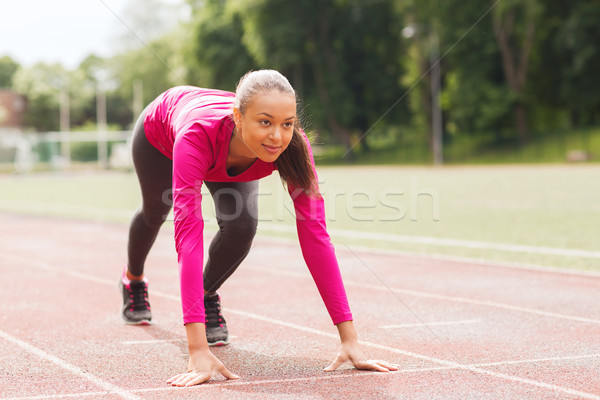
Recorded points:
295,165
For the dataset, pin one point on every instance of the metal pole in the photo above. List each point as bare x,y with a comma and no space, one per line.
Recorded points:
101,126
436,109
138,99
65,127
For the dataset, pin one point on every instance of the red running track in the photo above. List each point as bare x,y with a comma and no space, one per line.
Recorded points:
458,329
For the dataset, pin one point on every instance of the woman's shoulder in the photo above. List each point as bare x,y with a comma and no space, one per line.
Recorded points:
195,92
186,96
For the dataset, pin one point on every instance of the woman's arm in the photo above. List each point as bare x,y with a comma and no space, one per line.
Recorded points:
190,159
319,254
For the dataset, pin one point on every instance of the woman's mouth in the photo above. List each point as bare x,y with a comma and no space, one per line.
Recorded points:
271,149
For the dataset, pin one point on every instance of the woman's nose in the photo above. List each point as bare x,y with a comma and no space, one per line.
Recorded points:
276,134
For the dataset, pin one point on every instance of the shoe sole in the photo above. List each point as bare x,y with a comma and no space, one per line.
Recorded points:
219,343
140,322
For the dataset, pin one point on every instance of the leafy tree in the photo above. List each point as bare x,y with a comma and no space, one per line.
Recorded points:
220,57
156,66
8,67
577,42
342,55
476,99
41,84
514,23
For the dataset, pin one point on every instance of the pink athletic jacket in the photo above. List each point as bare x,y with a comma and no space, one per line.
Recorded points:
193,127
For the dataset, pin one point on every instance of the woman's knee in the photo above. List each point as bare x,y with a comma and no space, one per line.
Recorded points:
241,228
154,216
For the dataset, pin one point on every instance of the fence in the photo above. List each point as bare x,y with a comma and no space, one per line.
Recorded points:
24,152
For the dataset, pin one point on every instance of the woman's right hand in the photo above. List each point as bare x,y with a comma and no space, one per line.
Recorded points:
202,366
203,363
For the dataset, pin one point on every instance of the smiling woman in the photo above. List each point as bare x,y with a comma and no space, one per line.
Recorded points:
191,136
274,114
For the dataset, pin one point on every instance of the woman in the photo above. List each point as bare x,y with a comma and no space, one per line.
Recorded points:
190,136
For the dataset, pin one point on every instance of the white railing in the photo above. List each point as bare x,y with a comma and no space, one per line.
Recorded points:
19,149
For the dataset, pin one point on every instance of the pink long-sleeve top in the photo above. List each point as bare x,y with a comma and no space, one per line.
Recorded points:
193,127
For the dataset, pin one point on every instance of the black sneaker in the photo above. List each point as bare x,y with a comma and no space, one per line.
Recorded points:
136,309
216,327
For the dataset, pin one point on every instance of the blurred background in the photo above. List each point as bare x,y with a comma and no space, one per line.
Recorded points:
381,81
483,116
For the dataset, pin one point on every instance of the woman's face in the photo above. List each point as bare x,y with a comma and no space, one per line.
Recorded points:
267,125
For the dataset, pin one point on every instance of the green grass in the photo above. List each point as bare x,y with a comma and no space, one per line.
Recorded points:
551,147
555,206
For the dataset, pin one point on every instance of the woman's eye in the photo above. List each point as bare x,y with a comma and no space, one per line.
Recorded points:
288,124
264,122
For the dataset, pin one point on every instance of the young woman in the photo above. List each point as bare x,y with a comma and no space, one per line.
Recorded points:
190,136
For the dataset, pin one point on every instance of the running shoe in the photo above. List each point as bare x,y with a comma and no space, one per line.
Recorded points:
216,327
136,308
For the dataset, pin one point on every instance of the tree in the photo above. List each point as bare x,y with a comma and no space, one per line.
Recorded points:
343,55
8,67
220,57
41,84
475,97
514,23
577,42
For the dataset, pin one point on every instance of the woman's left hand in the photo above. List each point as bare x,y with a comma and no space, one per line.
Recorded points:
351,352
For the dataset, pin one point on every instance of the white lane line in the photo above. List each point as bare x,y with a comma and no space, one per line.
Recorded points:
46,266
480,261
158,341
134,342
425,324
538,360
435,296
485,262
109,387
59,396
485,303
398,351
290,229
445,363
434,360
444,242
347,233
340,374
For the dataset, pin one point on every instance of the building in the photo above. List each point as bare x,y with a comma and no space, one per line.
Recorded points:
12,109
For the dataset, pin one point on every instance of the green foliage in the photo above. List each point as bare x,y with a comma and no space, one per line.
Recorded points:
42,113
41,84
87,151
151,65
476,105
475,95
578,39
363,86
341,56
220,58
84,151
8,67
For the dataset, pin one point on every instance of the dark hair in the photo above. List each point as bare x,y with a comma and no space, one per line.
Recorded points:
294,164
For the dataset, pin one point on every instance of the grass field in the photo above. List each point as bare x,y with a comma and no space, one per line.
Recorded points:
542,214
480,149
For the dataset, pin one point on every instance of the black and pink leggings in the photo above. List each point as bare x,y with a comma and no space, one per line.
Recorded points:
232,242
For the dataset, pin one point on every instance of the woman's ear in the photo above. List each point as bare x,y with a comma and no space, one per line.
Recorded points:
237,117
